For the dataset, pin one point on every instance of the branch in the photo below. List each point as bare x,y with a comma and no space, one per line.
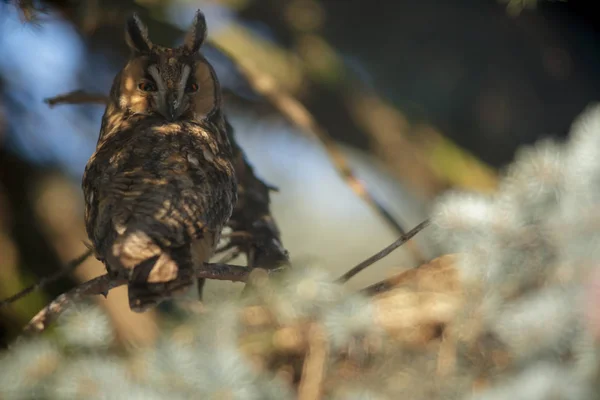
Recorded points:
383,253
47,280
103,284
99,285
77,97
296,113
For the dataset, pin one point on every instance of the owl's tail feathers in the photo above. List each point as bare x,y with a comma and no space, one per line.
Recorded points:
155,274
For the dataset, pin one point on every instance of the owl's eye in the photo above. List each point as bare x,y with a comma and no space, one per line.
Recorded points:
146,86
192,87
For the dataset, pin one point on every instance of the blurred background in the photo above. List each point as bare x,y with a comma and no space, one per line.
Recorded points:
418,97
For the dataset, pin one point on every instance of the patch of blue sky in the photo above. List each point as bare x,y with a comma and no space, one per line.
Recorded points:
37,62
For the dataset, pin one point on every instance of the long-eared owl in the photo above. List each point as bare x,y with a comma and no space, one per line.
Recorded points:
161,185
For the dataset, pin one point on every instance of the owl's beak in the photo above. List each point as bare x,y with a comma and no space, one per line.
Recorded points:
173,106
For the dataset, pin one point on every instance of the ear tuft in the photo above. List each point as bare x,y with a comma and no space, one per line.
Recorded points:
136,35
197,33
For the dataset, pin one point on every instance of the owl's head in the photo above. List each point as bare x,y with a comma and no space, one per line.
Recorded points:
171,83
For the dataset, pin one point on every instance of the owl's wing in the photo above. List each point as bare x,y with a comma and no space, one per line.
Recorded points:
173,211
90,196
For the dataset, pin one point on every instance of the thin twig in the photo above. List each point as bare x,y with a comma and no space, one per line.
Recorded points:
389,283
103,284
296,113
77,97
47,280
381,254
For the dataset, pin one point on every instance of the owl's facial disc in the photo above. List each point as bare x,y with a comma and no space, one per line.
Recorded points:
170,95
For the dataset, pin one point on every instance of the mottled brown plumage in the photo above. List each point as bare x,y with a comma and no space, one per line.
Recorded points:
160,186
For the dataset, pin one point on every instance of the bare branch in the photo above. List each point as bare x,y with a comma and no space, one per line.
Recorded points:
103,284
77,97
99,285
296,113
47,280
383,253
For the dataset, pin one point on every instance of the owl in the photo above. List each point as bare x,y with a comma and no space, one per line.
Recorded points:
160,185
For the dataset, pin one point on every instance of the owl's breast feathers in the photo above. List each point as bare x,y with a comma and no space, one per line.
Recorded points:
157,188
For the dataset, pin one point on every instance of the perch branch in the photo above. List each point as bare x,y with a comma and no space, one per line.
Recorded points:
103,284
99,285
383,253
47,280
